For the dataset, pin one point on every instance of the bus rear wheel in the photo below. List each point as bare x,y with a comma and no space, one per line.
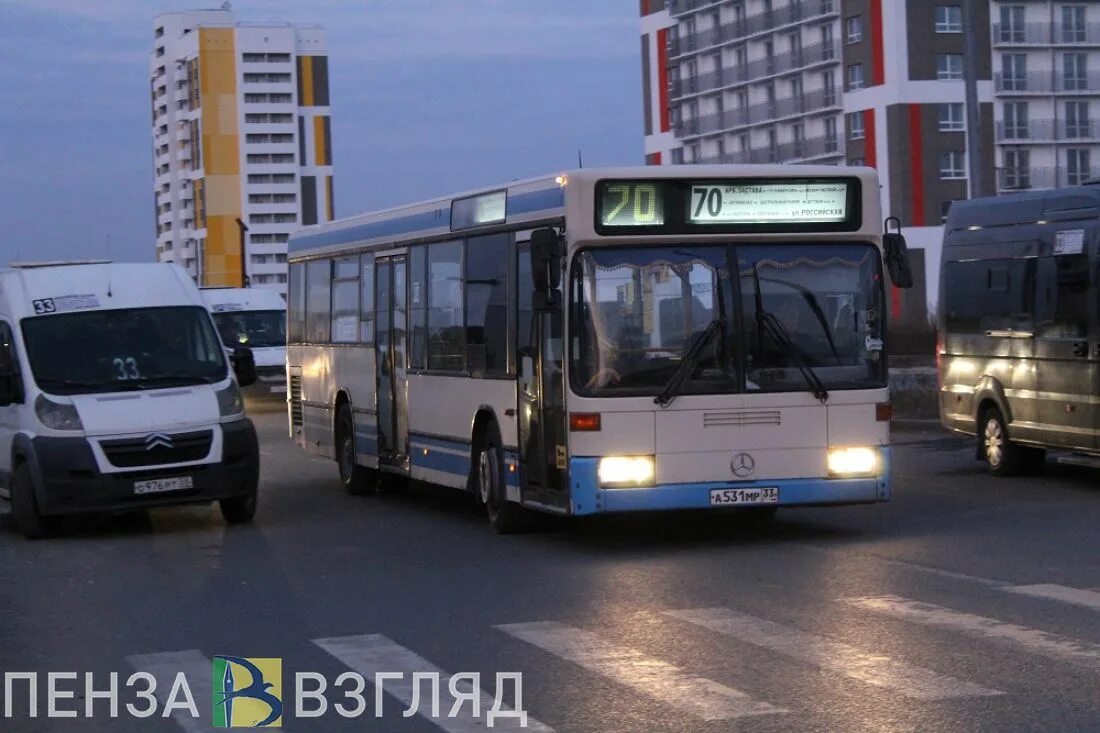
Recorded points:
505,517
356,479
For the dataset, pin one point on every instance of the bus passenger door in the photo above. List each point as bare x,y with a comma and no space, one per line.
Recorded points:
390,344
541,396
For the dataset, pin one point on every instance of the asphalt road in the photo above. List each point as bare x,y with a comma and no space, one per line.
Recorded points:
966,604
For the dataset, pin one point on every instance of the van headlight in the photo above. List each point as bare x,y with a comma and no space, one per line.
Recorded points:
57,415
853,462
626,471
230,402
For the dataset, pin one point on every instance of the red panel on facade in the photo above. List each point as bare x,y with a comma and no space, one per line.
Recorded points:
662,77
916,165
653,159
878,56
644,7
870,155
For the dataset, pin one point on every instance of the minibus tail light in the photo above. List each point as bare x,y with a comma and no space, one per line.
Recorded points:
584,422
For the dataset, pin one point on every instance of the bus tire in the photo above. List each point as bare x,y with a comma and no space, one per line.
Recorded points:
505,517
356,479
1003,457
24,507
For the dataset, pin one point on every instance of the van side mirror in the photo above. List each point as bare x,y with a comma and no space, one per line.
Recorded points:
546,256
896,255
244,366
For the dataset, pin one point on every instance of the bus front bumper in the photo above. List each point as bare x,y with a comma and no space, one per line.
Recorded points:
586,496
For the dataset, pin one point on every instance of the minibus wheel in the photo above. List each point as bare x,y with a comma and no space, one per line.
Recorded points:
1004,457
505,517
239,509
24,507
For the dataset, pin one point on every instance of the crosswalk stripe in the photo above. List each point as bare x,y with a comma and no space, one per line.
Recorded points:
660,680
874,669
1063,593
1054,646
371,653
165,666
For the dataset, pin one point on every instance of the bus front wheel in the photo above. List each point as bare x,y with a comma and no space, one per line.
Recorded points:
505,517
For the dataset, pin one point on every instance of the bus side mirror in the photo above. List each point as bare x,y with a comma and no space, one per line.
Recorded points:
546,256
896,254
244,366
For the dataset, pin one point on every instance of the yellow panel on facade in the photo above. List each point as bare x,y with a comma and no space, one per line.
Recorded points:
320,144
305,80
221,156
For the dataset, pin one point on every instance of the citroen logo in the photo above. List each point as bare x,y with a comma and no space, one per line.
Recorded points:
742,465
157,440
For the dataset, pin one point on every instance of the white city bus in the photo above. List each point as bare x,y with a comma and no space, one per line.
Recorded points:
605,341
256,318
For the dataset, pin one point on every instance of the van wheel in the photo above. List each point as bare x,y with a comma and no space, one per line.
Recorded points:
24,507
355,478
505,517
239,509
1004,457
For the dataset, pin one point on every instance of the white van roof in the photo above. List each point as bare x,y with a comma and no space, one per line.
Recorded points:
220,300
46,289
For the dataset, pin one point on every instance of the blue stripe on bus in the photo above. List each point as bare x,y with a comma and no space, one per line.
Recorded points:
432,441
445,462
366,446
523,203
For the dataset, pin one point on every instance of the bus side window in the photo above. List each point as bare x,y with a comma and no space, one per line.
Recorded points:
296,304
525,314
418,307
1062,302
487,311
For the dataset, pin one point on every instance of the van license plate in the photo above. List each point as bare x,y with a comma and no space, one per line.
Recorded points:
739,497
161,485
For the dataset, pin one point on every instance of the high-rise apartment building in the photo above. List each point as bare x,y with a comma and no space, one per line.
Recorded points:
242,143
1046,61
859,82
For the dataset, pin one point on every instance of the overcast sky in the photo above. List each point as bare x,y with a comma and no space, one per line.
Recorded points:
428,97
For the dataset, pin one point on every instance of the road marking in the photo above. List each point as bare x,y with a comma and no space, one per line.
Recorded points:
1054,646
165,666
989,582
372,653
660,680
1063,593
874,669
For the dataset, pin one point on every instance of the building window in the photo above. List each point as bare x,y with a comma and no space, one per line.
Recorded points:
1012,24
949,66
857,162
952,117
1077,166
1075,76
831,143
952,165
1014,72
677,156
854,28
949,19
446,344
1017,170
1078,124
855,77
1073,24
855,126
1016,127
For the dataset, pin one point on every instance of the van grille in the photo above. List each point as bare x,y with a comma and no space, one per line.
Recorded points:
158,449
733,418
295,389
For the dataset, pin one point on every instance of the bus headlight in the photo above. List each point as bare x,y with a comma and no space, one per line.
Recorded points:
57,415
850,462
230,402
626,471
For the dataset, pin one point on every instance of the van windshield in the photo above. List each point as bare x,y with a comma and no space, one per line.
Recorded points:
125,349
256,329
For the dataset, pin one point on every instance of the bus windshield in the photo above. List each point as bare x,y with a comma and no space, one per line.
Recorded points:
125,349
794,316
256,329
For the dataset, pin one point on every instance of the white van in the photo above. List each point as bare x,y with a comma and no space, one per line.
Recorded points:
256,318
115,393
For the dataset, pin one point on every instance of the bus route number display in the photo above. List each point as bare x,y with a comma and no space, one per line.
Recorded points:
632,204
757,203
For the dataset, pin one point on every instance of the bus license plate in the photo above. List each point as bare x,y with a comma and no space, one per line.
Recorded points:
161,485
744,496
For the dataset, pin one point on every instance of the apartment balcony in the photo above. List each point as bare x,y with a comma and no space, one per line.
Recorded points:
810,103
1032,179
747,27
757,70
1045,34
796,151
1048,131
1047,82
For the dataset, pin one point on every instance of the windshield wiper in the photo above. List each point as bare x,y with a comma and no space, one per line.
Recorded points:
774,328
174,380
687,364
